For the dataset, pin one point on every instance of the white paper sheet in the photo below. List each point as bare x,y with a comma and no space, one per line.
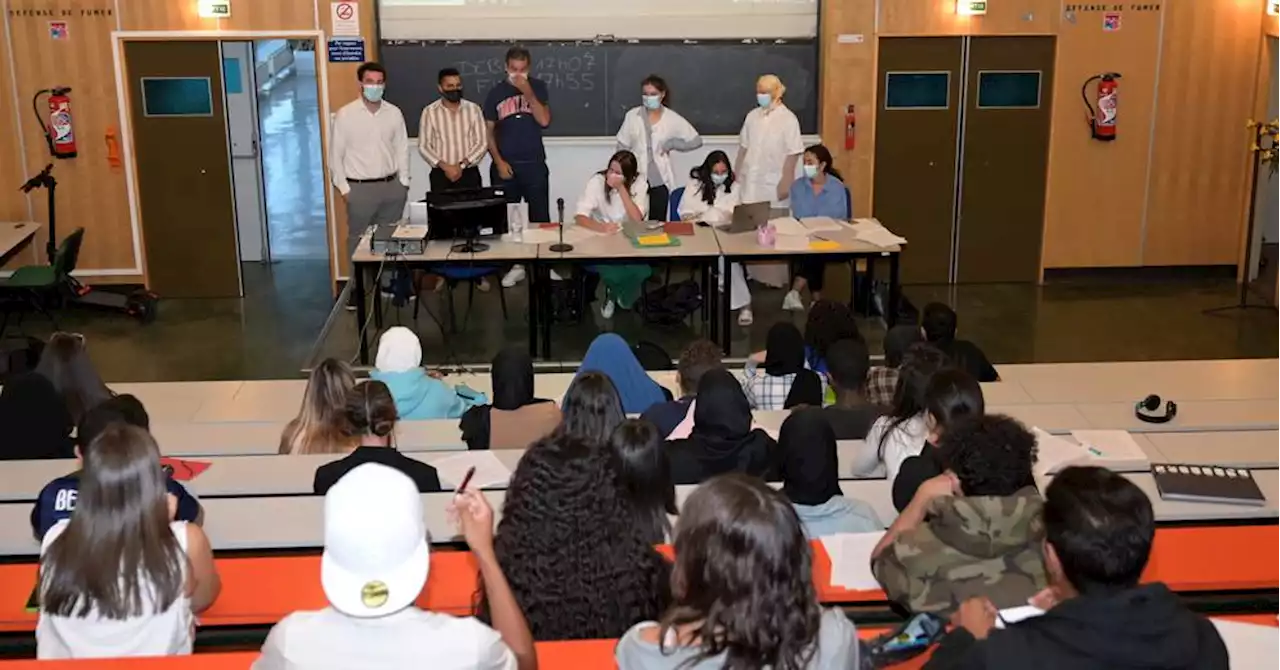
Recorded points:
489,470
1111,445
1012,615
881,237
1249,645
1054,453
788,225
792,243
818,224
851,559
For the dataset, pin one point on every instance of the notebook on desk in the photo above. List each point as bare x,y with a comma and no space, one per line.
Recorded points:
1205,483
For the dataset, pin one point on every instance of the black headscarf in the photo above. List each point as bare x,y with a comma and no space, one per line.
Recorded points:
35,419
810,466
722,439
897,341
512,377
784,355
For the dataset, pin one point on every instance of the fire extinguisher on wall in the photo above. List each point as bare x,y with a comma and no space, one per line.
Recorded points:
59,133
850,128
1102,121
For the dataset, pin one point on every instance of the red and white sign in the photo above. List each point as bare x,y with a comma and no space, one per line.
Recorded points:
346,19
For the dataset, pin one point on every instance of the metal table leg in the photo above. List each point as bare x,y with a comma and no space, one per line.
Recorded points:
358,271
895,289
533,309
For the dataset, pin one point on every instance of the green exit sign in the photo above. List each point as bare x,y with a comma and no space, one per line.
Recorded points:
971,7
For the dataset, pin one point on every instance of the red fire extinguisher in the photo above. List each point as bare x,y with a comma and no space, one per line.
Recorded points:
1102,122
59,134
850,128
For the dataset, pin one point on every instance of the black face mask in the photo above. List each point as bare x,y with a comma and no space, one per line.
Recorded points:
452,96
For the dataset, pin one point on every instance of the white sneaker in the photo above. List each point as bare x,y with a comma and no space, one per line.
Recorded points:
745,317
484,285
514,276
792,302
607,308
555,276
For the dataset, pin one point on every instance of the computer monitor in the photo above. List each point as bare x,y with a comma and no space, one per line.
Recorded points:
467,215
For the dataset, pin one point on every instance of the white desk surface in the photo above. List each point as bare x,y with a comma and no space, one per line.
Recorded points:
260,438
182,401
500,250
1179,381
1193,415
14,233
1242,449
702,243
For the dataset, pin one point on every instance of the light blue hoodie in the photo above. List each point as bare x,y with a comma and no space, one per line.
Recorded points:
838,515
417,395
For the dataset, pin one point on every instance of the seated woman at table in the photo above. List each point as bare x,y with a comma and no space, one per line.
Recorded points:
371,425
611,354
820,192
724,437
419,395
319,426
65,362
516,417
710,197
614,195
778,377
121,577
811,478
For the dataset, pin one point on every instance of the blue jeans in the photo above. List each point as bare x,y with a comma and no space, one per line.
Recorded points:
529,182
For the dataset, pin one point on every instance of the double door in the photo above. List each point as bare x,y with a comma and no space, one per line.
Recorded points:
962,145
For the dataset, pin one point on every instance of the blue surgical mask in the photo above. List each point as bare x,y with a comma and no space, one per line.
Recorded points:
810,171
719,178
651,101
764,99
373,92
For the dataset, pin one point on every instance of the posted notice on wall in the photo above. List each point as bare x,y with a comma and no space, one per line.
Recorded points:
346,50
346,18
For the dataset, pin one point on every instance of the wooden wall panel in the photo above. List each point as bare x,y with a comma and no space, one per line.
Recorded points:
170,14
938,17
90,192
1081,231
273,15
849,77
13,205
1199,168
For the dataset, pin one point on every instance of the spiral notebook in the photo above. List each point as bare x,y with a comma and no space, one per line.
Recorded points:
1206,483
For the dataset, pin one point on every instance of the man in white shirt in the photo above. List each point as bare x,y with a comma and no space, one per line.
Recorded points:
375,565
369,156
452,137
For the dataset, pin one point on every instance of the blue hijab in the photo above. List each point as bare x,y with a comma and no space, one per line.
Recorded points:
611,355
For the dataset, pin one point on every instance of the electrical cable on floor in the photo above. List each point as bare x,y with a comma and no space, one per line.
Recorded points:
377,286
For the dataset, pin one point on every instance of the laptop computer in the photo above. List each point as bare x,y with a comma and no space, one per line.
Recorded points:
747,218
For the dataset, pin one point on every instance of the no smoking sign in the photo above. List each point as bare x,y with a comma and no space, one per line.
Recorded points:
345,18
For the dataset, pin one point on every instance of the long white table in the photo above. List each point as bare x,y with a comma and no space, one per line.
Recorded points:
1180,381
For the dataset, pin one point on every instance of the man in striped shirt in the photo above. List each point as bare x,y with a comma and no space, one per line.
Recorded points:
451,136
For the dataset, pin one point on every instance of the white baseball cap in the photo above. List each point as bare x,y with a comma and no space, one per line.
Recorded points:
376,555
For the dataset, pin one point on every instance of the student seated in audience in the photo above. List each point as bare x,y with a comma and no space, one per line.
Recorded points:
613,196
951,395
939,325
902,432
319,427
371,426
418,395
811,480
516,417
1099,528
820,192
852,414
592,409
974,530
645,475
785,382
610,355
723,437
883,379
579,565
742,591
829,322
57,500
121,577
710,197
375,564
696,359
65,362
36,422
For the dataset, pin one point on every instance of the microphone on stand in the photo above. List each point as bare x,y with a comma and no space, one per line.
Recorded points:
560,247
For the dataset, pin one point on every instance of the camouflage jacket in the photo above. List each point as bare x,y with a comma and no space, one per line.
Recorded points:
968,546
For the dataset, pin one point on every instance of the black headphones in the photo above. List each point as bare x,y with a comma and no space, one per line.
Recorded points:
1146,410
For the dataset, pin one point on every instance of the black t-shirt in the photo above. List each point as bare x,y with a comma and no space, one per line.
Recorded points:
422,474
968,357
852,423
913,472
519,135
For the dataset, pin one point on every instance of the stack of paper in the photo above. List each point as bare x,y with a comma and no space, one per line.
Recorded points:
1054,453
788,225
872,232
851,559
1113,448
792,243
818,224
489,470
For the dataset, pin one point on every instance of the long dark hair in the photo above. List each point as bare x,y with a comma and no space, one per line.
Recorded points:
592,409
578,565
953,394
742,577
645,475
630,171
703,173
370,410
823,155
117,551
918,366
829,322
65,362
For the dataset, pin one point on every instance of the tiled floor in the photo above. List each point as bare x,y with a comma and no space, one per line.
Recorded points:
292,166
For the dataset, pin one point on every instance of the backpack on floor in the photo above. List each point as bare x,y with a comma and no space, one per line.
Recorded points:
651,356
671,304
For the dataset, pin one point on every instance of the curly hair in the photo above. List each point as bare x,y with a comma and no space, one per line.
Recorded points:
568,544
991,455
829,322
742,577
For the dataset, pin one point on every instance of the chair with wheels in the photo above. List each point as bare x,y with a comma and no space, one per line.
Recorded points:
42,286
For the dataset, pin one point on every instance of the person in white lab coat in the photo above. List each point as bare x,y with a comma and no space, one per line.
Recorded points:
612,196
769,149
651,131
709,197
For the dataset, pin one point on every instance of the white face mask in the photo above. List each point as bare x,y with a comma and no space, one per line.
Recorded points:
511,76
373,92
719,178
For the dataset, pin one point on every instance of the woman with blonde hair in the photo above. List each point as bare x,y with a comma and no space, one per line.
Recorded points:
769,149
319,426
